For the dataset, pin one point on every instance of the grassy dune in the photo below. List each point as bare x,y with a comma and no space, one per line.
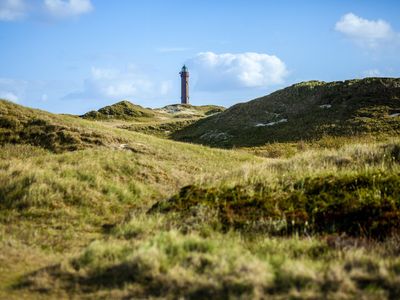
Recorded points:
304,111
112,213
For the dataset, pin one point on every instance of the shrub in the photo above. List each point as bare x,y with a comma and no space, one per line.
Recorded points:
365,204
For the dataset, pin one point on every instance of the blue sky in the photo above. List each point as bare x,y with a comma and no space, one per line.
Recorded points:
71,56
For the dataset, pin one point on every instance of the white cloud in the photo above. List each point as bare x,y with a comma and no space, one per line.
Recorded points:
115,84
8,96
67,8
372,73
243,70
12,89
11,10
99,73
370,33
118,84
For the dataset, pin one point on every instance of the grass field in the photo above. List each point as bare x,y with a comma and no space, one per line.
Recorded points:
90,210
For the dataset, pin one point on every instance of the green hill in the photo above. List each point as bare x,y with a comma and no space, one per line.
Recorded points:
304,111
124,110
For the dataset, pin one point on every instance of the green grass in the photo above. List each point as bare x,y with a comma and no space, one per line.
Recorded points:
51,186
136,216
166,263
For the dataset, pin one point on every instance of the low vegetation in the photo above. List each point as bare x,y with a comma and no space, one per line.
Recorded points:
169,264
135,216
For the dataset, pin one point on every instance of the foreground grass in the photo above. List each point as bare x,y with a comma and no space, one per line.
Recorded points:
88,190
143,259
58,203
188,251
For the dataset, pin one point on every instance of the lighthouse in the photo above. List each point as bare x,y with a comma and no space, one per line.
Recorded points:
184,85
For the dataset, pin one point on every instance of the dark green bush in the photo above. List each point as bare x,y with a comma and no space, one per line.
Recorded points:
361,205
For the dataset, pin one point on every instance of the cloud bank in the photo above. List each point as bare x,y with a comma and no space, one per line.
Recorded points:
372,73
68,8
117,84
12,90
8,96
242,70
13,10
369,33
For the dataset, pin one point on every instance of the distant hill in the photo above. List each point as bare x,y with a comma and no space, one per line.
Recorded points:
190,111
124,110
161,122
304,111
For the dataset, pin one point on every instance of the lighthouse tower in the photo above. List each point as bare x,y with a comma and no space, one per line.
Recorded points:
184,85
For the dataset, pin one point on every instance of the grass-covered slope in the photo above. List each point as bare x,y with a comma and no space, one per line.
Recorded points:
65,181
163,128
52,170
136,216
304,111
213,238
20,125
123,110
